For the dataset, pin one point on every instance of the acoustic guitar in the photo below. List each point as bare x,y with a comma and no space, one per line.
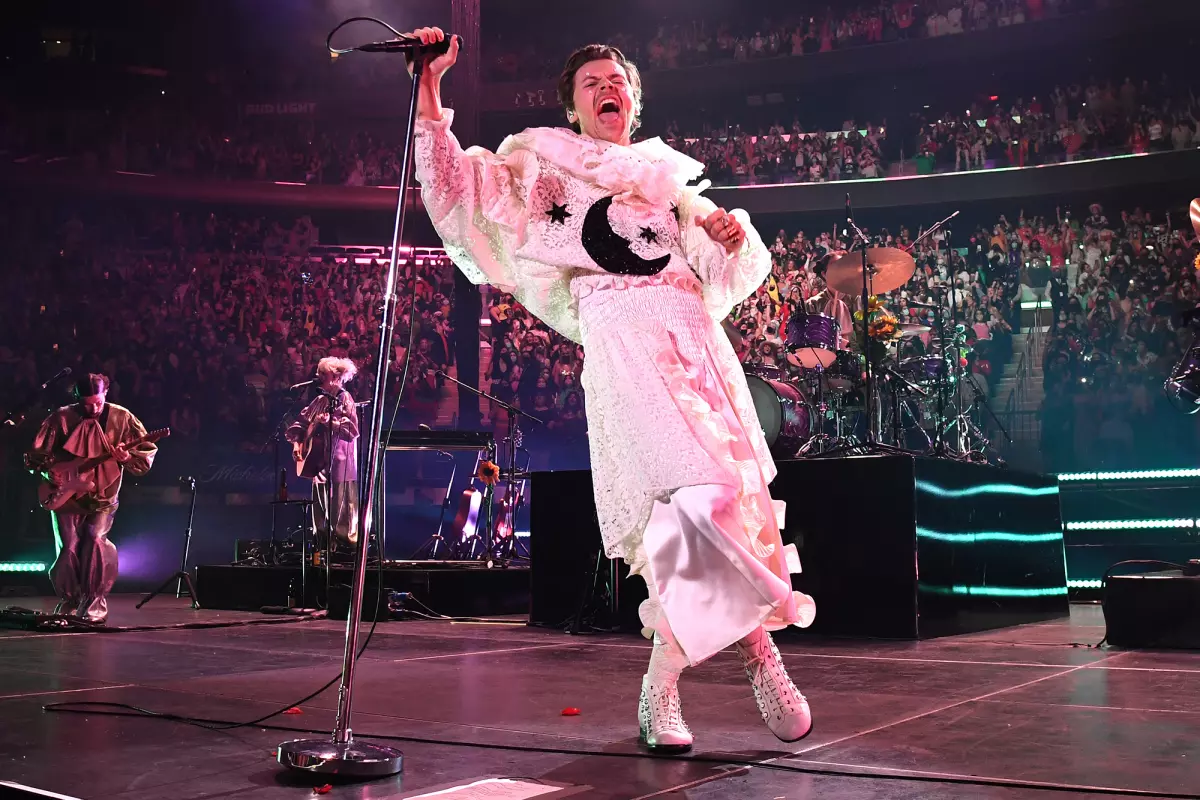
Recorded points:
65,480
312,453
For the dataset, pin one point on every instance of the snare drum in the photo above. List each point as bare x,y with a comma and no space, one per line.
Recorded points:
812,340
784,413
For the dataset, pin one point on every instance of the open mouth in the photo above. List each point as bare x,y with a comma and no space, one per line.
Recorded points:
609,111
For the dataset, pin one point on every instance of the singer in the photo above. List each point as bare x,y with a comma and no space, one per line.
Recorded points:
605,242
325,437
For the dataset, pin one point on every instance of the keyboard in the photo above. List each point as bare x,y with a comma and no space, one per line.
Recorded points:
439,440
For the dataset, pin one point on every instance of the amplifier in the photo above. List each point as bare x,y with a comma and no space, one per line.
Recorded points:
1153,609
251,549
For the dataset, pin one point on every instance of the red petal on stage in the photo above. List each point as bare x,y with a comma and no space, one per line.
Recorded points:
294,710
570,712
326,789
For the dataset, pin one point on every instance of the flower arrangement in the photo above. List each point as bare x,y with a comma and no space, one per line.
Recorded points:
882,325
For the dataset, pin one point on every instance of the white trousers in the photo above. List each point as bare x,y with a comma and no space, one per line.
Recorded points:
710,588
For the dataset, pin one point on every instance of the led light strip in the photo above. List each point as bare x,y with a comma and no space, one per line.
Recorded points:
987,488
988,536
1131,475
1129,524
22,566
1090,584
994,591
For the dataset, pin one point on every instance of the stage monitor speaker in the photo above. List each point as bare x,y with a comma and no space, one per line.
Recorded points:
1153,610
564,536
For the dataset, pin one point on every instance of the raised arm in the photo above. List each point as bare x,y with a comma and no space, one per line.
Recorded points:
474,198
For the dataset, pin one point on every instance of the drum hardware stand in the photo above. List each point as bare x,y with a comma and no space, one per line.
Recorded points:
341,754
872,445
979,400
182,576
820,440
901,406
513,439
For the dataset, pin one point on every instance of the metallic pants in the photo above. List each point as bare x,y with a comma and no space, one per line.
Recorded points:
86,567
344,511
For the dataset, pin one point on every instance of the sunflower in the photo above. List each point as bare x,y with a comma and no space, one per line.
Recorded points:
489,473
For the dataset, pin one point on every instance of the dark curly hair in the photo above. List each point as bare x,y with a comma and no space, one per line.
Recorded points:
90,385
598,52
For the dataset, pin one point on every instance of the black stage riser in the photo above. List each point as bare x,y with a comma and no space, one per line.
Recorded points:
455,592
1153,610
892,546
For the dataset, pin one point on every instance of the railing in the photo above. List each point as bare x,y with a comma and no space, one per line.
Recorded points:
1021,378
1022,426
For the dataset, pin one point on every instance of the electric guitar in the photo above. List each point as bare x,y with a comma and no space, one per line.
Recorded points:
66,480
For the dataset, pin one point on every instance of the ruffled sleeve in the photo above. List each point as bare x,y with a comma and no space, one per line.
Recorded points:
729,278
475,199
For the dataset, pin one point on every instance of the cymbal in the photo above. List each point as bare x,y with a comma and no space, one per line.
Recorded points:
888,269
912,329
1194,213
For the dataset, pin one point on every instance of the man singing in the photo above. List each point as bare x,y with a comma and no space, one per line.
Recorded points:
604,241
335,504
86,567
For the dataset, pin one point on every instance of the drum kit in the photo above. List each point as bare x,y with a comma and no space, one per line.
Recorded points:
827,400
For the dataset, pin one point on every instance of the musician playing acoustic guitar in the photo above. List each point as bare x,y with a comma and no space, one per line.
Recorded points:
86,567
310,436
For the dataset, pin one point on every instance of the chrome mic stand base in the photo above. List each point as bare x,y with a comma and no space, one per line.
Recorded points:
351,760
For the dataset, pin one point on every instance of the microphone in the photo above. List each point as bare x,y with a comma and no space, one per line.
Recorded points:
409,45
62,373
301,385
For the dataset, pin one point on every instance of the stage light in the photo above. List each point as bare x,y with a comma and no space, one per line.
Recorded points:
987,488
1129,524
971,537
1090,584
22,566
1131,475
994,591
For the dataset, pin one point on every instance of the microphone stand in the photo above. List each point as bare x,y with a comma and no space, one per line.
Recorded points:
17,415
273,442
341,754
182,576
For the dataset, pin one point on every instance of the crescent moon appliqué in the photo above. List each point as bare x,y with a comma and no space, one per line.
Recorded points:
610,250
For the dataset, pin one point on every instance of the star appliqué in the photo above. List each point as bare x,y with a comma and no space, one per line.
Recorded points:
649,235
558,213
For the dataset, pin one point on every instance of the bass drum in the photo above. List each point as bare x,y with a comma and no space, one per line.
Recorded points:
784,412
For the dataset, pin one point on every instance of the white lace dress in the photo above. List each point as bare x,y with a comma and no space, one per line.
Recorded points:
599,241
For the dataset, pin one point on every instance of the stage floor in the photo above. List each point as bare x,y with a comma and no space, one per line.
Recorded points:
1019,704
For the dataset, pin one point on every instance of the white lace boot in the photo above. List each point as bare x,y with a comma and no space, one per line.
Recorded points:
782,706
660,713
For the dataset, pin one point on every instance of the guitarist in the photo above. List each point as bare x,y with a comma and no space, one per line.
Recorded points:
334,511
86,566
